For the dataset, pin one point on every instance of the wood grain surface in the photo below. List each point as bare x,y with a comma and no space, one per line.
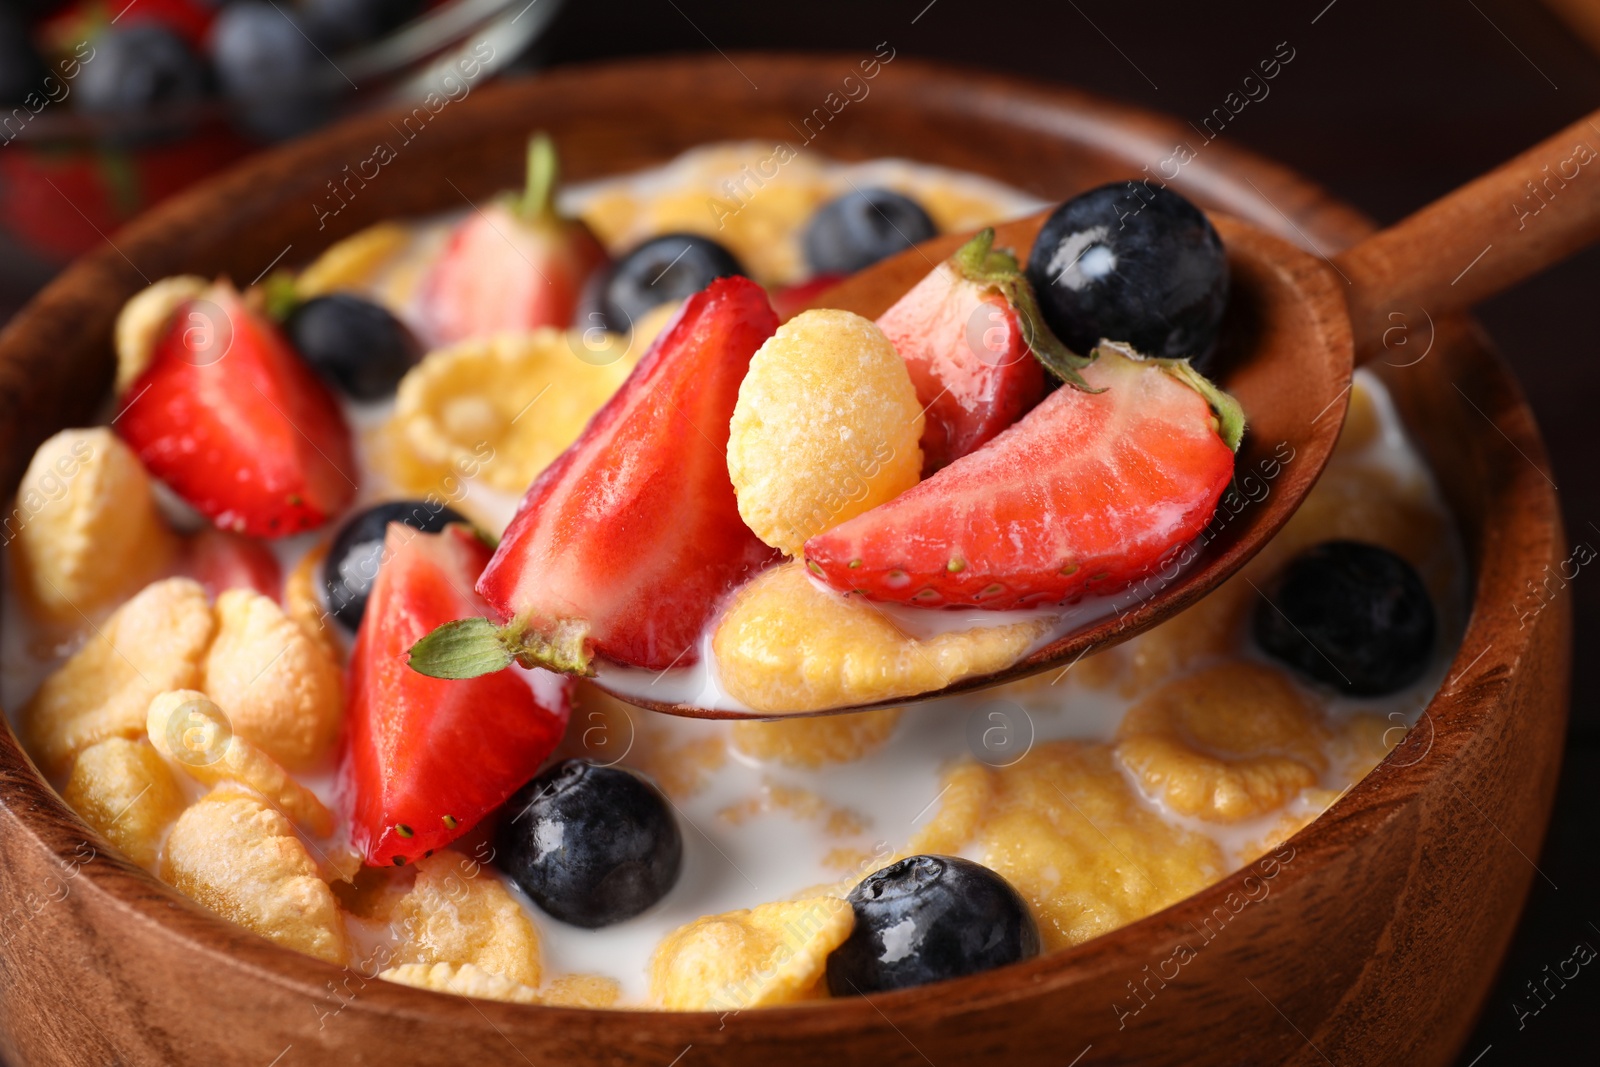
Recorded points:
1382,920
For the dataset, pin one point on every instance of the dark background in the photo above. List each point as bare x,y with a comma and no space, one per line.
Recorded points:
1388,104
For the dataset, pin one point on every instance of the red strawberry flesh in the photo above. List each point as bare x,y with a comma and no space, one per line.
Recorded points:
220,561
969,359
1089,492
234,422
425,759
634,533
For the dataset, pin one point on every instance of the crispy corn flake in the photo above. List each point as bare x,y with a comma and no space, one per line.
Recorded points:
650,326
188,728
152,643
1231,742
785,645
827,426
770,954
462,979
353,263
817,740
504,407
1066,829
304,604
235,855
144,317
87,529
282,689
581,991
123,788
458,912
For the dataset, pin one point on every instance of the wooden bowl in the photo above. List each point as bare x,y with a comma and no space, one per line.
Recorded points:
1373,938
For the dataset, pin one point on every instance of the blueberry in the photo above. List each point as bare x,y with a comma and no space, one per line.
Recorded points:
927,918
1134,263
357,344
591,845
663,269
140,67
861,227
340,24
21,69
270,69
1352,615
352,562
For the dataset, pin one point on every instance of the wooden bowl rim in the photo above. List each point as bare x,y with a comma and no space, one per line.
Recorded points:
30,806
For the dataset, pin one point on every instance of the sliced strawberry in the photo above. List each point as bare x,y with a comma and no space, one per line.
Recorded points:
789,300
1089,492
515,265
237,425
625,544
220,561
424,758
966,346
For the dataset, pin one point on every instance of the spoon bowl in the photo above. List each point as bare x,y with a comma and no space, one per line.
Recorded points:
1286,310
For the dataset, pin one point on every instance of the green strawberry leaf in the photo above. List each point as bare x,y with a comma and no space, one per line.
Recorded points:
471,648
466,648
980,262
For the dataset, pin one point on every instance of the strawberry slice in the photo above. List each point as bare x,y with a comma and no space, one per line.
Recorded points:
1089,492
625,544
237,425
514,266
424,758
966,343
220,561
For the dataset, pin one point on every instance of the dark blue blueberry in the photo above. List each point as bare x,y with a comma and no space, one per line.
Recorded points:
357,344
137,68
277,81
591,845
862,227
663,269
1134,263
927,918
21,69
356,554
339,24
1354,616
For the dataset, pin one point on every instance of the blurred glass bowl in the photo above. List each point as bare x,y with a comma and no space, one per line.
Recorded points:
68,179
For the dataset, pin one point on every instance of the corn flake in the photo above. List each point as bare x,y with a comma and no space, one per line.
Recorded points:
188,727
123,789
282,690
151,644
502,407
770,954
88,529
1229,743
232,853
786,646
458,913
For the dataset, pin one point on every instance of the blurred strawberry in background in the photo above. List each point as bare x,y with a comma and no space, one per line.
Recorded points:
108,107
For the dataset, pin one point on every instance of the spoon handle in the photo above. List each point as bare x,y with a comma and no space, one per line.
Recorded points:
1527,214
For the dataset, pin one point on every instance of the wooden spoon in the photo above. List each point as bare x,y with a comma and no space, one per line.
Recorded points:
1297,326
